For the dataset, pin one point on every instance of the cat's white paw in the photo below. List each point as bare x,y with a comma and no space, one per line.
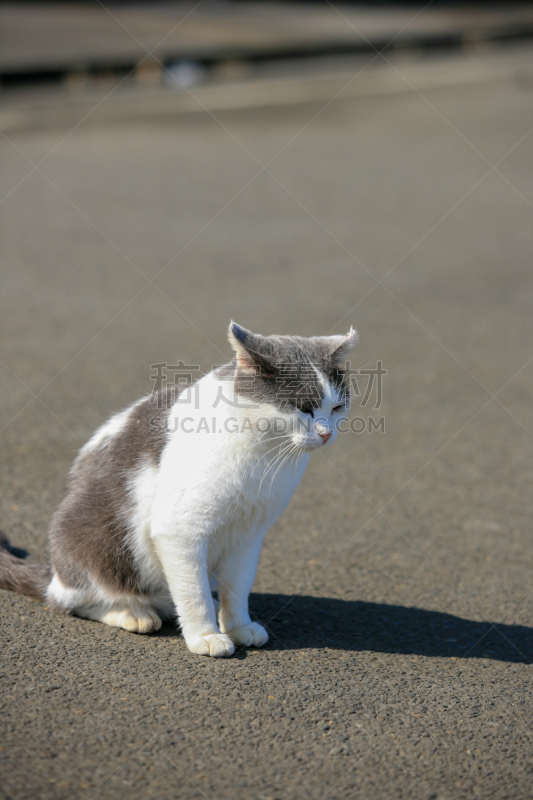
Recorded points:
251,635
140,622
217,645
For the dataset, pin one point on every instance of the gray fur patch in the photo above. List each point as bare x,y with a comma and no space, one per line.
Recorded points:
89,531
282,370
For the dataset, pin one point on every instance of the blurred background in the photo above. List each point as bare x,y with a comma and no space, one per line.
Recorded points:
298,167
271,161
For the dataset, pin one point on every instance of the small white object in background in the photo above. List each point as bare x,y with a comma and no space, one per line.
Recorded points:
183,74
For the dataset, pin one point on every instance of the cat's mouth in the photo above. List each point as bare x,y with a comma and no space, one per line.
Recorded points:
310,447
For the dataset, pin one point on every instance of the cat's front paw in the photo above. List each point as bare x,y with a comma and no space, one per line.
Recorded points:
217,645
250,635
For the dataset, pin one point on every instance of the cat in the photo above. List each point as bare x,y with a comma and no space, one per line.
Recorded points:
173,496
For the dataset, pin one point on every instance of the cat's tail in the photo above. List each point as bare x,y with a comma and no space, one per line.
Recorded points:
17,576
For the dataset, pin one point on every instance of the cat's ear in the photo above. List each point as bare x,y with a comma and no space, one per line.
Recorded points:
249,348
342,345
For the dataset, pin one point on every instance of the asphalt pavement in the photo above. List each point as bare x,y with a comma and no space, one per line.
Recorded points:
397,586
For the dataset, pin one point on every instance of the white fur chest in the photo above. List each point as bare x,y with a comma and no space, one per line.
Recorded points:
214,473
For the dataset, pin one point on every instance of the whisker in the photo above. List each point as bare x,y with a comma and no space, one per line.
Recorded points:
276,446
274,461
289,454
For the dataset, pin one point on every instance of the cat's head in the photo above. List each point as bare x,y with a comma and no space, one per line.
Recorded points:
297,383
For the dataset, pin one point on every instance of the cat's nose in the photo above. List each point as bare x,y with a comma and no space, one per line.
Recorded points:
325,436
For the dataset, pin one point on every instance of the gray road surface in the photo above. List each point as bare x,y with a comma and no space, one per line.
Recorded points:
397,586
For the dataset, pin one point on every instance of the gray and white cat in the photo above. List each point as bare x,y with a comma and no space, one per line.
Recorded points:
176,492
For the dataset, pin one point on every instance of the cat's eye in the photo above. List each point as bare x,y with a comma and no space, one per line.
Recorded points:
307,408
338,408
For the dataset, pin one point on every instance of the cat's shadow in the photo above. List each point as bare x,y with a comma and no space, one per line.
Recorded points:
319,622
